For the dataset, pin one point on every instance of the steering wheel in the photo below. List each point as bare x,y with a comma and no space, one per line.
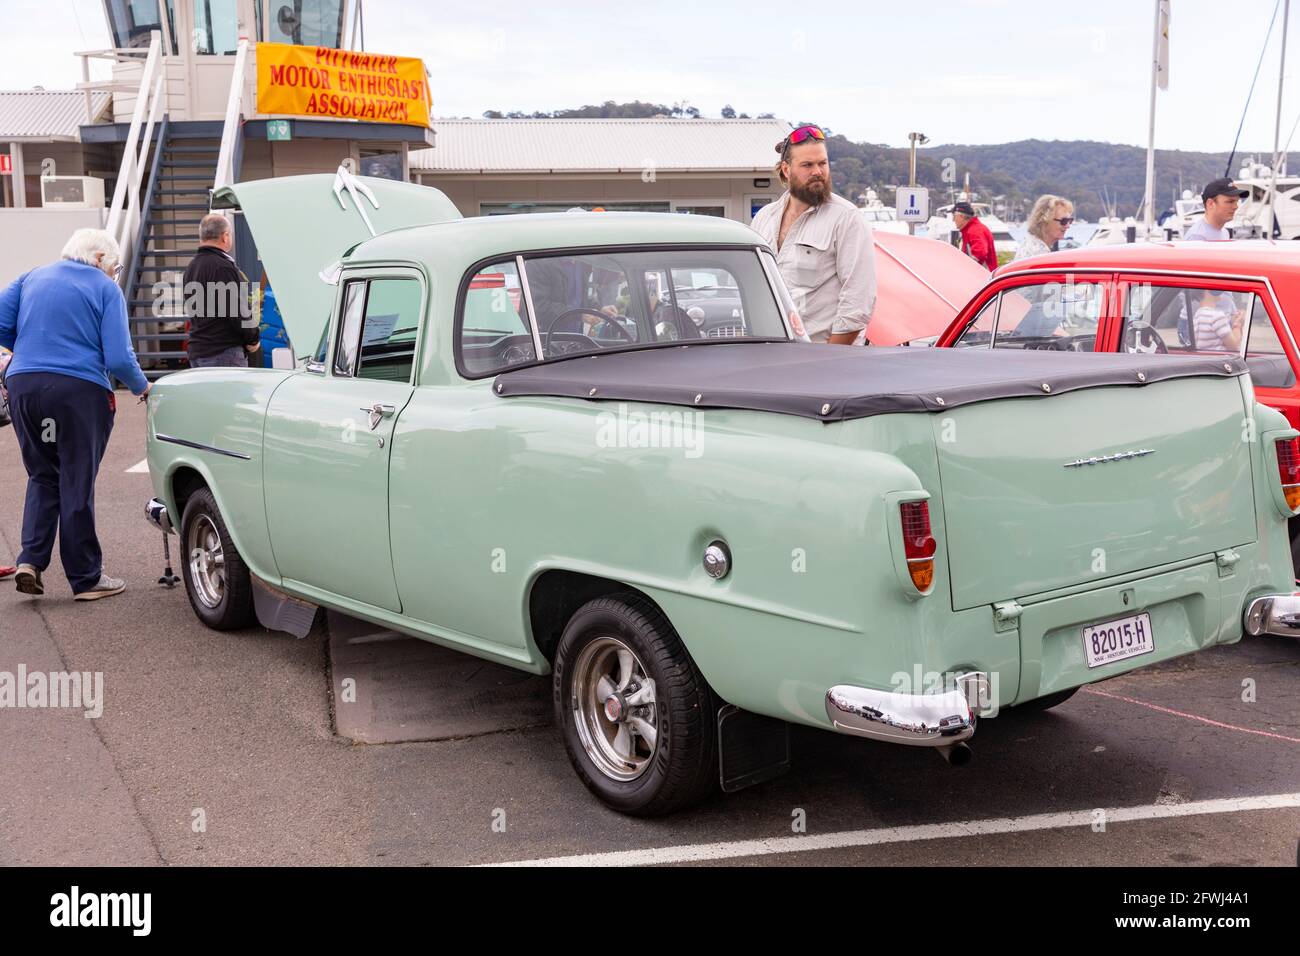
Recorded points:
605,317
1141,338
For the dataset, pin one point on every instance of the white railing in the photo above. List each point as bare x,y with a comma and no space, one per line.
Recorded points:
124,213
231,130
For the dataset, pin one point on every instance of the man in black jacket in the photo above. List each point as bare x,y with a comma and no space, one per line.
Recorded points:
218,301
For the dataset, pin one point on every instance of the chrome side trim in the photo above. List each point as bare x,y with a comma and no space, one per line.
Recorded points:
926,720
1276,614
1106,459
201,447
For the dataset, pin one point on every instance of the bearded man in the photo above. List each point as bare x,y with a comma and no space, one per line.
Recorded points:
823,246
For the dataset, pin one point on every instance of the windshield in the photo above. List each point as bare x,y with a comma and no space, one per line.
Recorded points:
611,299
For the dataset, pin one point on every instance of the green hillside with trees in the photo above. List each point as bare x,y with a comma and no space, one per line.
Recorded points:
1094,175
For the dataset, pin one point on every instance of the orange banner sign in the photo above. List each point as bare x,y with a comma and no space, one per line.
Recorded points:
341,84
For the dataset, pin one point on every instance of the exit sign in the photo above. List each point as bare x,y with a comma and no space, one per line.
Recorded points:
6,164
279,130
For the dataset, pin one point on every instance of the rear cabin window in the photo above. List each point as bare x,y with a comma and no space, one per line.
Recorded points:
587,302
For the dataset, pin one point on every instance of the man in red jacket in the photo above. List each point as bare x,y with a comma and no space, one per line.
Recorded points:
976,240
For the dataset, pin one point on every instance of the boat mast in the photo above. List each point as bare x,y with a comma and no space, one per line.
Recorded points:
1277,127
1148,198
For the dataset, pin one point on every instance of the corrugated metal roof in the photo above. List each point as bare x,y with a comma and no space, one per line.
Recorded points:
47,115
601,145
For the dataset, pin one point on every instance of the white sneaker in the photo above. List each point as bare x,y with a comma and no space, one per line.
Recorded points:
106,587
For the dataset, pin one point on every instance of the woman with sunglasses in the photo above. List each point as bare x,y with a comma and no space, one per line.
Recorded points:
1048,223
66,324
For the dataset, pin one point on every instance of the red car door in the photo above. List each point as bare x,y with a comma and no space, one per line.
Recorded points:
1191,315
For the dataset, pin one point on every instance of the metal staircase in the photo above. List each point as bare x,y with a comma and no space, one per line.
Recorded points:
181,176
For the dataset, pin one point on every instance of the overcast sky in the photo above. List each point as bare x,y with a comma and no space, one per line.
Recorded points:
961,71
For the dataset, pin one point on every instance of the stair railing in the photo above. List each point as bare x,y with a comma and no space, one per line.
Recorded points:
124,213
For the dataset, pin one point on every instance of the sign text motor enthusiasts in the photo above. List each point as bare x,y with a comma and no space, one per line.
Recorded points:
318,81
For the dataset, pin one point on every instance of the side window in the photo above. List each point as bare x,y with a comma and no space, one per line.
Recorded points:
494,329
345,354
1053,316
1265,356
1182,320
381,318
389,332
979,332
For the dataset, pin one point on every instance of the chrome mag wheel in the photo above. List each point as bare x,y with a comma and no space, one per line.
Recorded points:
207,561
613,703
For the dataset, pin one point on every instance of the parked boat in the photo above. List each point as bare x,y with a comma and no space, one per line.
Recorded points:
878,216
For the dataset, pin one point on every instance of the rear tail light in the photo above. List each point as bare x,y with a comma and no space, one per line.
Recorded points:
1288,469
919,544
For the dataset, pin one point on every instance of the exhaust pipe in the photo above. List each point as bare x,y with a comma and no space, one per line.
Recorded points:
958,755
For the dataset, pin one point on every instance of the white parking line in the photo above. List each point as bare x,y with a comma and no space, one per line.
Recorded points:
139,468
935,831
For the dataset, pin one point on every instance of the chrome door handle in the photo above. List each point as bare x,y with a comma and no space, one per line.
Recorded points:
378,412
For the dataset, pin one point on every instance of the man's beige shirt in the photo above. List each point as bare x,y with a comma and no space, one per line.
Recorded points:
828,262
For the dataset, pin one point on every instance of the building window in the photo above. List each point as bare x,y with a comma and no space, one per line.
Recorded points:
306,23
510,208
131,22
216,27
718,211
382,164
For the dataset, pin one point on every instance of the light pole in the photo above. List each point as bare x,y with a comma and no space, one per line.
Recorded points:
916,139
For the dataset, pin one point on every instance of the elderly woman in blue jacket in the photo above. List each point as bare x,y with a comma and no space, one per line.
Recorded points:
66,324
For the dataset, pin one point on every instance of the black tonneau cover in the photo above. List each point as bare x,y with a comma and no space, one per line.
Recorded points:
836,382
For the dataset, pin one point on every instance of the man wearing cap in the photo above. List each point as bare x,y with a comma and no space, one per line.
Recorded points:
976,239
1221,198
824,249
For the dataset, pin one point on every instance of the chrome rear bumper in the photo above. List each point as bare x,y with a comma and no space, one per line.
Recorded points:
926,720
155,513
1276,614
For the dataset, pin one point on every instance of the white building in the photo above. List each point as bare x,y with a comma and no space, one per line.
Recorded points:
700,166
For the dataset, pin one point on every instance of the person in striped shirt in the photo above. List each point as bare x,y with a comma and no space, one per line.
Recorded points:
1217,323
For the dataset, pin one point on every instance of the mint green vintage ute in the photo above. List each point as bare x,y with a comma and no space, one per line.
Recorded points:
592,444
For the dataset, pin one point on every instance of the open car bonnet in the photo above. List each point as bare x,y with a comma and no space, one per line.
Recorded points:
304,224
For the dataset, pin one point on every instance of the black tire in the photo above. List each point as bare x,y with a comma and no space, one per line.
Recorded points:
234,608
1047,702
1295,546
682,769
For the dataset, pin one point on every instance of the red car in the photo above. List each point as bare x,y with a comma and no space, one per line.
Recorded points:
1168,298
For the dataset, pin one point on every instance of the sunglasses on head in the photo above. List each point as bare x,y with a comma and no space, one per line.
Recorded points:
801,135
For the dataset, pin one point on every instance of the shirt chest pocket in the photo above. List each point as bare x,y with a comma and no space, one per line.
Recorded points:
813,262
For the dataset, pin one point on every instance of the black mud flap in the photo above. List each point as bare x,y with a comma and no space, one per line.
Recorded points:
277,611
751,748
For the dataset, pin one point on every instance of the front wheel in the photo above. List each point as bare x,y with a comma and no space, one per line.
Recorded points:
638,719
217,581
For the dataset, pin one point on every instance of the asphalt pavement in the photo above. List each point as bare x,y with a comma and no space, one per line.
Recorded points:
232,748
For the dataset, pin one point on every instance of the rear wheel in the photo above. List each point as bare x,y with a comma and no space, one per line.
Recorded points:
217,581
638,719
1048,701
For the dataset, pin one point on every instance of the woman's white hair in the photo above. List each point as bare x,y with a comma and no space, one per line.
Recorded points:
1045,210
85,244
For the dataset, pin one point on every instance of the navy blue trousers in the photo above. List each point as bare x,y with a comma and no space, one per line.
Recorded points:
62,425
